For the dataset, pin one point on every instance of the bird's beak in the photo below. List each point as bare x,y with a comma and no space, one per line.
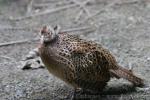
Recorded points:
42,39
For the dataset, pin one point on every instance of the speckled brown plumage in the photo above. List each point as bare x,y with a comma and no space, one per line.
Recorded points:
81,63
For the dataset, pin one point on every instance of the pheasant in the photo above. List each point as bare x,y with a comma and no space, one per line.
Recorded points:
80,63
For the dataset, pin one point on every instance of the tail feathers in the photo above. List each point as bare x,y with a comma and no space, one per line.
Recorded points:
128,75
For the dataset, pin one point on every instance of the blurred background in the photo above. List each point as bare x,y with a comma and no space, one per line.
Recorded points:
122,26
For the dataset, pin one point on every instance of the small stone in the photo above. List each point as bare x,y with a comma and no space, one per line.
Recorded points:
31,64
148,58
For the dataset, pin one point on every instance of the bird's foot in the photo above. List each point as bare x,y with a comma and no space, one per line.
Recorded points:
145,88
72,94
77,93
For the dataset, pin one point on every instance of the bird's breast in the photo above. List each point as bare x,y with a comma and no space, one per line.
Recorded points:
52,62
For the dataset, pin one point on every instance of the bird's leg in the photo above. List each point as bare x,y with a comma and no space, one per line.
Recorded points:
77,91
81,91
145,88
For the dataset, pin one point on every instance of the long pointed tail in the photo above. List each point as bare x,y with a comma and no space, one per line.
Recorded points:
128,75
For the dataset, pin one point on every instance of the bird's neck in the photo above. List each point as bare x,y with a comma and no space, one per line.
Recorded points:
52,42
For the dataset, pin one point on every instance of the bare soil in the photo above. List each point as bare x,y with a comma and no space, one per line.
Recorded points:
122,26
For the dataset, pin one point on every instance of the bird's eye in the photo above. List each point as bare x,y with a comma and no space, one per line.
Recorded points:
48,33
44,30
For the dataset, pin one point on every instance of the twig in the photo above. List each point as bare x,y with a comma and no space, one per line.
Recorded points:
76,29
129,2
10,62
82,6
36,39
6,57
102,10
20,28
41,5
29,7
34,29
48,4
18,42
14,28
45,12
78,16
85,9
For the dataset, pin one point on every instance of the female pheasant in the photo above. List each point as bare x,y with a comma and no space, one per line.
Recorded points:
83,64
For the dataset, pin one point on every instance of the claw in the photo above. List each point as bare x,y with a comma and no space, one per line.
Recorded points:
145,88
138,89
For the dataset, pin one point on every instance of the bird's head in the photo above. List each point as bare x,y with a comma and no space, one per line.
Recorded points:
49,33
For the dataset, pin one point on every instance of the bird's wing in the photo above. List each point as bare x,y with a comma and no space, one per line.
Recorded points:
83,52
93,51
82,47
90,66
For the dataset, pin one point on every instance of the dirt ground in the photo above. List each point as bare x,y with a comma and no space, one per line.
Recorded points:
122,26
